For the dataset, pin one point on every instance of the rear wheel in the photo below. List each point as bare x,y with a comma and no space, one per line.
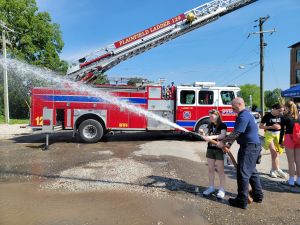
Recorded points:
203,124
90,131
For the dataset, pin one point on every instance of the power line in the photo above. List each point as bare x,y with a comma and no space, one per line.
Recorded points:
272,66
243,58
240,75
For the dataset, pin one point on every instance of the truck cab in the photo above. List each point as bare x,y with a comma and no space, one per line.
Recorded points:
193,104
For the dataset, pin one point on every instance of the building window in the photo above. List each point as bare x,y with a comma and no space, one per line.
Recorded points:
227,97
297,76
206,97
298,55
187,97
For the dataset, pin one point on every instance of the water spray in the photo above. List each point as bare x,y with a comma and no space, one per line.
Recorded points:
27,72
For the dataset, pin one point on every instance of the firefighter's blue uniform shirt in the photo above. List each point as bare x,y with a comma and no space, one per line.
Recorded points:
246,125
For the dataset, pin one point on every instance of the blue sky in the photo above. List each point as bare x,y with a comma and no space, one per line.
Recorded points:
211,53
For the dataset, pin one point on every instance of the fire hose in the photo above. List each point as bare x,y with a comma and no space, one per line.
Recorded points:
226,150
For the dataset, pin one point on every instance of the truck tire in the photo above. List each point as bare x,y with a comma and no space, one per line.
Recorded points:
203,124
90,131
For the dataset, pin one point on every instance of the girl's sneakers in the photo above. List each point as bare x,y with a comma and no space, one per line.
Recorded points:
278,173
288,183
273,174
281,174
209,191
221,194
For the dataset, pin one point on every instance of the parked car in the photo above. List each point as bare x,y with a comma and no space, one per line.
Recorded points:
257,116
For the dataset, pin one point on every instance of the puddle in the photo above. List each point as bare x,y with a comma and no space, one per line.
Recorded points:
24,203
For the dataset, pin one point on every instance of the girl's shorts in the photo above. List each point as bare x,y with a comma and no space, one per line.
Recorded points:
289,143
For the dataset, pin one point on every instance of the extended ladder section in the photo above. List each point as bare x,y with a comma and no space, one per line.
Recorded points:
88,68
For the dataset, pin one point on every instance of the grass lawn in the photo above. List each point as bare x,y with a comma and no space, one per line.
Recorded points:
14,121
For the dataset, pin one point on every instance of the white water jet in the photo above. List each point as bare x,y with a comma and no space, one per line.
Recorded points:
26,71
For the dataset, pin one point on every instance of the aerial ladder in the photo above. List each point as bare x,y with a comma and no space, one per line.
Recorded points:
89,67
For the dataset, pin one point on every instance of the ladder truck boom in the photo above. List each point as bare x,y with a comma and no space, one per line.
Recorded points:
89,67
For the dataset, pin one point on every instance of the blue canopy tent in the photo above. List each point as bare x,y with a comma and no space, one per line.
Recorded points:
292,92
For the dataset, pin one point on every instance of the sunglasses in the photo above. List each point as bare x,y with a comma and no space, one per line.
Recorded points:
213,111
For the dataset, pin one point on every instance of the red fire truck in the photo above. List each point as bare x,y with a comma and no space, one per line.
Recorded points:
91,117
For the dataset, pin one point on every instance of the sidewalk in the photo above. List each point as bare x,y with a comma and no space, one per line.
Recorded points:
9,131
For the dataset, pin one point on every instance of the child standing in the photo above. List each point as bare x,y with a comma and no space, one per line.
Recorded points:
215,156
292,149
271,124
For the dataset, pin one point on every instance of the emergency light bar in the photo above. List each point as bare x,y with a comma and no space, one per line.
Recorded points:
204,84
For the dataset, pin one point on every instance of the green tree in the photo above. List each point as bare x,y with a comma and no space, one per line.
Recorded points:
101,79
134,80
272,97
36,41
253,90
19,94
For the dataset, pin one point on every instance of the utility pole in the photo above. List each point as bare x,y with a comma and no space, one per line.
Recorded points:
261,33
4,42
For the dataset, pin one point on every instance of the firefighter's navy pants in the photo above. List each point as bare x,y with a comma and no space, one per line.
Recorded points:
247,173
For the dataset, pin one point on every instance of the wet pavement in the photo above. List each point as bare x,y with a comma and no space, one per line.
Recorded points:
137,178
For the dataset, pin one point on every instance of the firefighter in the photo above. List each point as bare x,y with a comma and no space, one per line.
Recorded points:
168,92
246,134
173,91
163,92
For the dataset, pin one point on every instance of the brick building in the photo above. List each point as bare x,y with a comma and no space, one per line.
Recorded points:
295,64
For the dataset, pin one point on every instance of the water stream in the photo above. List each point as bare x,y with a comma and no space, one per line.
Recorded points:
29,72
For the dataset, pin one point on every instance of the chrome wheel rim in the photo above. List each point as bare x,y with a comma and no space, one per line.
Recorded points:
90,131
